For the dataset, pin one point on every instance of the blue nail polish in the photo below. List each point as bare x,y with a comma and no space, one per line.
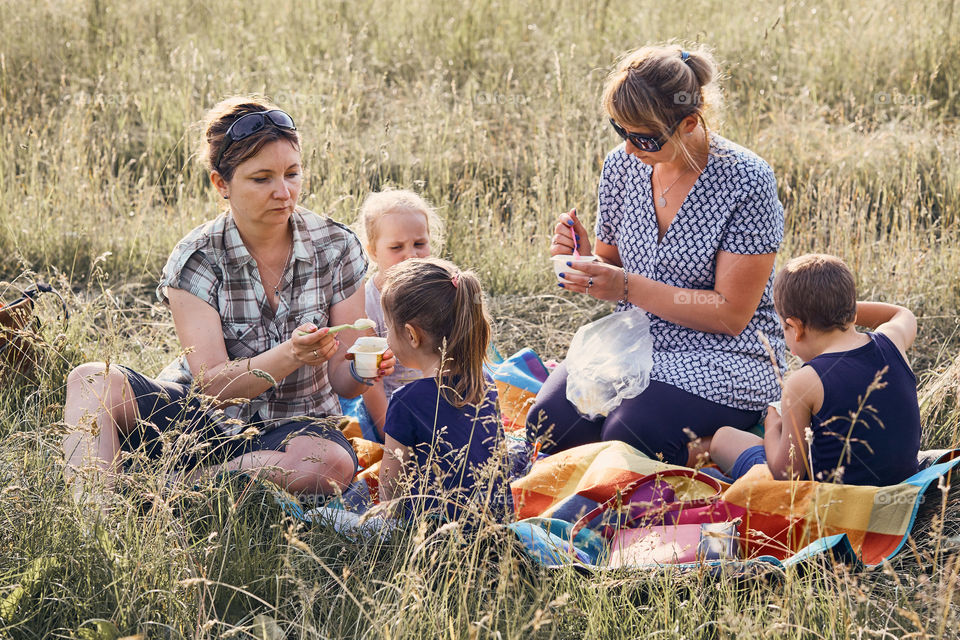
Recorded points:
563,275
560,284
569,223
569,264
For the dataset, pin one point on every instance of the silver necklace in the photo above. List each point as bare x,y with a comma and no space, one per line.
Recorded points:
261,264
662,200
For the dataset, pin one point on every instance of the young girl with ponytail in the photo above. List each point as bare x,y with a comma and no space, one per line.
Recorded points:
443,432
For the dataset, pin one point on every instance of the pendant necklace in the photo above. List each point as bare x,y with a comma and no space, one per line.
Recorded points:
261,264
662,200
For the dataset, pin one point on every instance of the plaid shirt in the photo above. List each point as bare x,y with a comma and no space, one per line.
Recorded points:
212,263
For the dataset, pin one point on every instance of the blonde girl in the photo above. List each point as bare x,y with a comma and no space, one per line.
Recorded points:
394,225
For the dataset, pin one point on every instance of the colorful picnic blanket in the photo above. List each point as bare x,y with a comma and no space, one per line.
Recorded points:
779,522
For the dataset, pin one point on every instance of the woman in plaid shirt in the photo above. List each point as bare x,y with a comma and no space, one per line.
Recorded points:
252,293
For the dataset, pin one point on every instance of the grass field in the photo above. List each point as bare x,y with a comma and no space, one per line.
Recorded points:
491,109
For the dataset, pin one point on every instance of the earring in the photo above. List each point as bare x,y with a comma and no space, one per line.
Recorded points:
226,197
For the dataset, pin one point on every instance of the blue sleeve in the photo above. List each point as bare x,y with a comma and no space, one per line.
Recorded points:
756,226
401,422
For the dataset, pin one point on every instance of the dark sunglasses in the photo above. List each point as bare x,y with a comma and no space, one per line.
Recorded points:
248,124
650,144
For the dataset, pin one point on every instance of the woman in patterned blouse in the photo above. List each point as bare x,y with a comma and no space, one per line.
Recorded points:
688,228
252,293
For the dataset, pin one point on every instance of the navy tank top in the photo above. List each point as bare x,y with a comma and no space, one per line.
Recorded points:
875,444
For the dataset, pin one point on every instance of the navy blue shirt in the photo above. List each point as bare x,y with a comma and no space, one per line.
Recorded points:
454,447
875,444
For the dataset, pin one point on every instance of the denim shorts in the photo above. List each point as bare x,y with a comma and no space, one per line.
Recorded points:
168,407
746,460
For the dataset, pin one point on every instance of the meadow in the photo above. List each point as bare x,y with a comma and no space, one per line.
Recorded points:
491,110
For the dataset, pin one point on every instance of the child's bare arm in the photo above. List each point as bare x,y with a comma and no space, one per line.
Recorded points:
375,400
784,439
395,456
896,322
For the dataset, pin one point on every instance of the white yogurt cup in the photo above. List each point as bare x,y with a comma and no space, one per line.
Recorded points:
367,355
560,263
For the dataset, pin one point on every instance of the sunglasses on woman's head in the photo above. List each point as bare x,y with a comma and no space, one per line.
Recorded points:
650,144
248,124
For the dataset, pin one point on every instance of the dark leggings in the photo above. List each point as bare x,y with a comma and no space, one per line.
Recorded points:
656,422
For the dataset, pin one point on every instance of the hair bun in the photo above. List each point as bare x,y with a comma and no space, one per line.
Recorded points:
704,68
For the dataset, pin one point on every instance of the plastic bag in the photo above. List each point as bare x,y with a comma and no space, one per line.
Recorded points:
608,361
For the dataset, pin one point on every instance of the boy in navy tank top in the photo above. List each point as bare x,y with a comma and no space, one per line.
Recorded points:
850,414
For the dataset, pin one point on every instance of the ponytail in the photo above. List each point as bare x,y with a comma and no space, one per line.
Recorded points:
447,305
469,337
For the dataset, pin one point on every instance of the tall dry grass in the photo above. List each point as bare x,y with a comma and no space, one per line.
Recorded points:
491,110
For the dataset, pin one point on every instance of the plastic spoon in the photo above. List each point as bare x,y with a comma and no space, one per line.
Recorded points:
576,244
360,325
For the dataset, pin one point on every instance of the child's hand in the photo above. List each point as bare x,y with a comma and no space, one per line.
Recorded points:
773,422
563,242
387,364
312,345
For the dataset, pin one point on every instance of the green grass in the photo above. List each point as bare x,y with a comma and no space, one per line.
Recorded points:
491,109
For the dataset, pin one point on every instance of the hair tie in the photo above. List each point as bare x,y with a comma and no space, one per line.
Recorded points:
684,55
455,279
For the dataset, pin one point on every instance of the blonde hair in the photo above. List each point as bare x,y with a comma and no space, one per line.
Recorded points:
219,118
390,200
654,87
445,303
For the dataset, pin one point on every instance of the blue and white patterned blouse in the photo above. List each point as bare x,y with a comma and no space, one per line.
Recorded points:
733,207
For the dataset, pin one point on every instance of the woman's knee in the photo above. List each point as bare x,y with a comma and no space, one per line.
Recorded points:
559,428
555,422
341,466
106,387
88,374
322,469
96,376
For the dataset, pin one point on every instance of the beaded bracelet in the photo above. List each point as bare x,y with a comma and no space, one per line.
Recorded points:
356,376
623,300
